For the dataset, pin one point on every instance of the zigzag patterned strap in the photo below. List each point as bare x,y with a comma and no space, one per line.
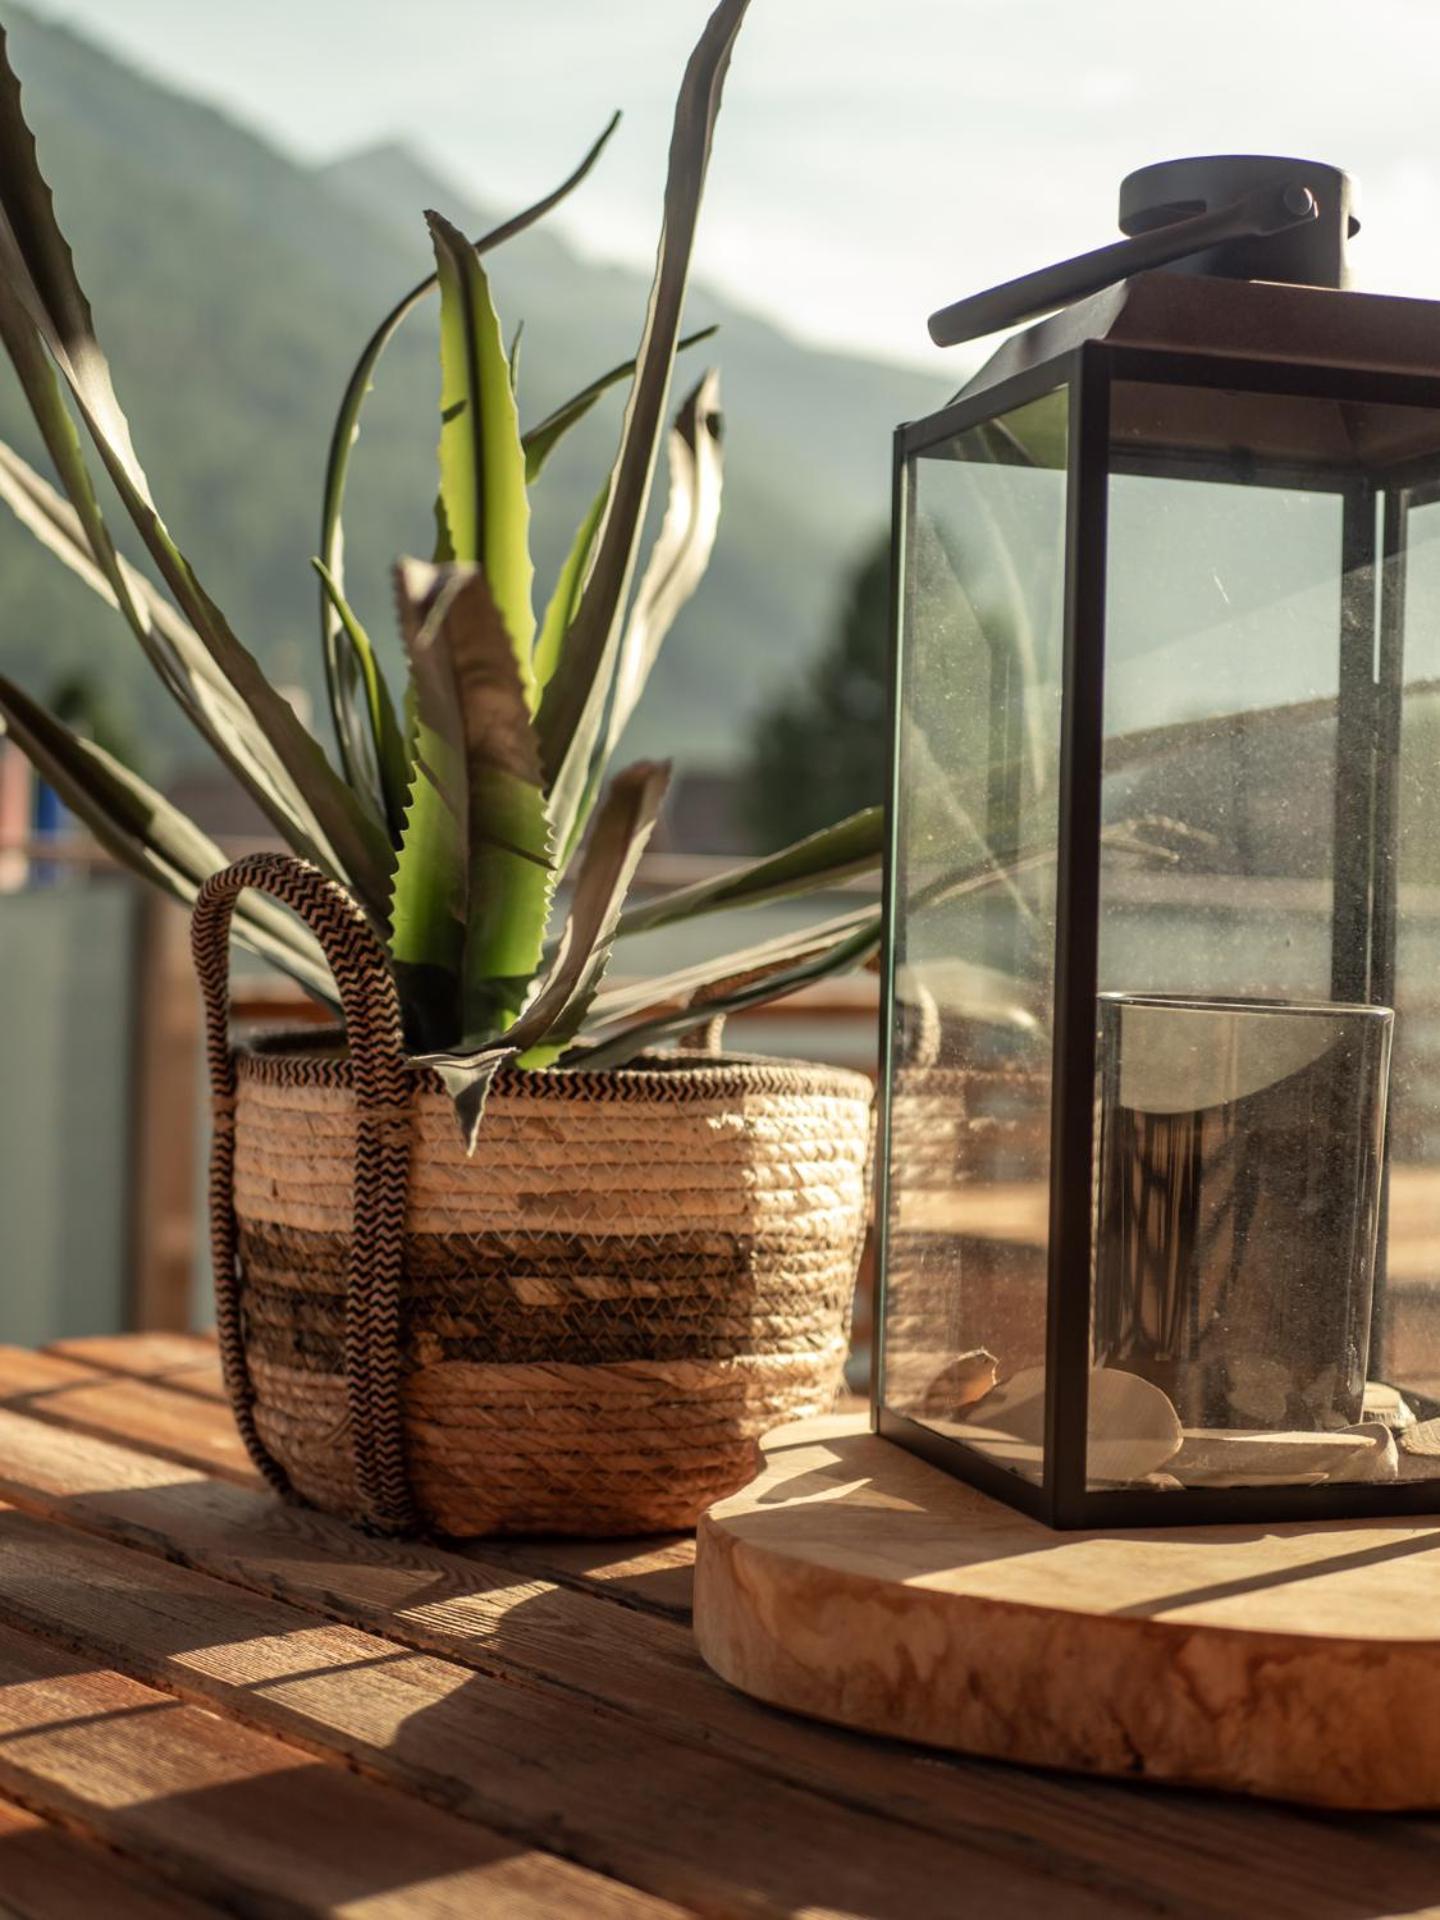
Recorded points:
383,1089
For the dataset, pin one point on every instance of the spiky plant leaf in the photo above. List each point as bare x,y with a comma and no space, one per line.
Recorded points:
825,859
630,1017
484,504
36,265
144,832
342,681
541,441
576,701
427,907
471,699
75,531
551,1018
677,564
565,596
675,990
41,387
387,741
681,552
618,837
734,986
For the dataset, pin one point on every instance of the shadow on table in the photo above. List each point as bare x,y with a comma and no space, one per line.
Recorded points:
800,1824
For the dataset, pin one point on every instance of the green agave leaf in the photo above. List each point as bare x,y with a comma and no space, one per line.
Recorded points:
851,847
41,387
732,992
512,358
36,264
470,695
75,531
427,935
140,829
560,608
389,742
576,701
483,497
674,991
85,547
467,1079
541,441
426,914
340,667
681,553
623,824
427,908
635,1016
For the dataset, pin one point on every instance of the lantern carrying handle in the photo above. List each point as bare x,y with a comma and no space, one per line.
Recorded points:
1270,210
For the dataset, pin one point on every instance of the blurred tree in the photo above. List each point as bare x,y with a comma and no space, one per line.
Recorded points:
89,707
820,752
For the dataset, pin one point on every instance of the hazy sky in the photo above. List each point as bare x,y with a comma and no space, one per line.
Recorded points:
875,158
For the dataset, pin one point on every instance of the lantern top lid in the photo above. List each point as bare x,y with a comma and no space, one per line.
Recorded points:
1312,253
1230,254
1239,220
1240,319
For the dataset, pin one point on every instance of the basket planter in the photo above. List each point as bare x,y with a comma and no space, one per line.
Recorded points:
583,1328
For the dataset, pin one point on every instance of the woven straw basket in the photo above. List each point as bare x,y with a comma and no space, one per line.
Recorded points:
584,1328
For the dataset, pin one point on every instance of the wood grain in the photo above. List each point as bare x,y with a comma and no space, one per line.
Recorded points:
854,1582
186,1361
249,1822
48,1873
656,1574
173,1425
1197,1857
84,1393
544,1768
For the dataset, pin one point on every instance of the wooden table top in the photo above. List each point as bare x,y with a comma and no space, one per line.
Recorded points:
211,1702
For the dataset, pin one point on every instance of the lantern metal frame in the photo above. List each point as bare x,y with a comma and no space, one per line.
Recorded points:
1371,677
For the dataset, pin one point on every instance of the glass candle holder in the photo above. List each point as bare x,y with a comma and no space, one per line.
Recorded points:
1238,1183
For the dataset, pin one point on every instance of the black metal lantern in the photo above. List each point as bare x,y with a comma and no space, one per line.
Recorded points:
1159,1241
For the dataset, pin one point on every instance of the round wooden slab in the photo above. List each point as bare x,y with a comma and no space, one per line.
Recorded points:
855,1583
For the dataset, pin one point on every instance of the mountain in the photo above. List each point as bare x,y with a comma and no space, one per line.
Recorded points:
233,289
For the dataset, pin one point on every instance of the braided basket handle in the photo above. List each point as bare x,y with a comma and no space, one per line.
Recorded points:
382,1089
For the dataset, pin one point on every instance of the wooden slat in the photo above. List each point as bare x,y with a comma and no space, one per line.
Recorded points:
1197,1857
187,1361
539,1765
654,1573
658,1575
176,1426
452,1602
48,1873
250,1822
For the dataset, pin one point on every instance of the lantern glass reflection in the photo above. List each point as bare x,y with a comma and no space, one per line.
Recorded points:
1256,1274
1160,1168
974,922
1238,1167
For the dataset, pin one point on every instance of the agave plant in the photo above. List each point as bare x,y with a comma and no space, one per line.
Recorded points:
474,820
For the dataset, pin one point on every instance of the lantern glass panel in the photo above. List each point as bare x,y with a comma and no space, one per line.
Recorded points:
973,928
1254,588
1408,1331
